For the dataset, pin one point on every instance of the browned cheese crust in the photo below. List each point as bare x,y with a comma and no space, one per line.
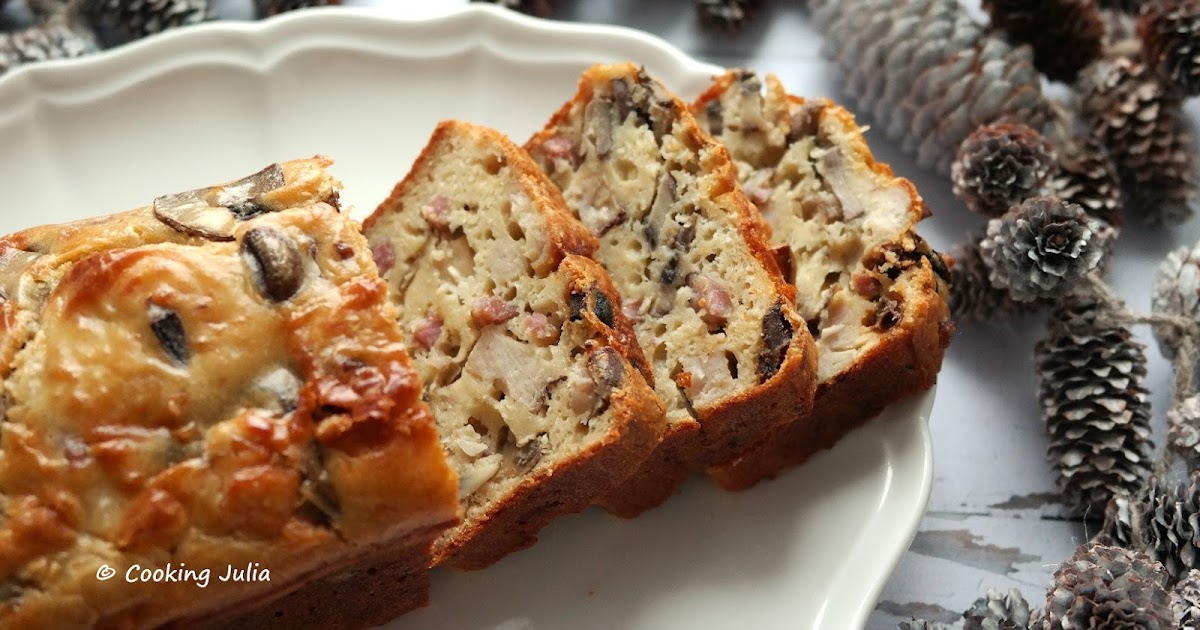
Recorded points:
732,360
214,380
872,290
534,372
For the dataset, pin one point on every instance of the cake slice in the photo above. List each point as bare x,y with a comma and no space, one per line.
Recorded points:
872,291
732,360
212,385
539,387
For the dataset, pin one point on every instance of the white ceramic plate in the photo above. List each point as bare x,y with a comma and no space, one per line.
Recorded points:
809,550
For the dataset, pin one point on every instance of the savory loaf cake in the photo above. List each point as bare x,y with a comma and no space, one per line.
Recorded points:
732,360
872,291
210,420
533,372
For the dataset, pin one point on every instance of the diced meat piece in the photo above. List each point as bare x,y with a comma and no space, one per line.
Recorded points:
490,310
437,213
559,148
867,285
541,329
710,299
384,255
428,330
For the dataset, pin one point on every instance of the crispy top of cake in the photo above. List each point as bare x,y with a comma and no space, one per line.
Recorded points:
214,380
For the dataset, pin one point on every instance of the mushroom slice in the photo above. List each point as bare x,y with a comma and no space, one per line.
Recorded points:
213,213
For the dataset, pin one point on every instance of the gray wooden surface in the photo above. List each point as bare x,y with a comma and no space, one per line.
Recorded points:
993,519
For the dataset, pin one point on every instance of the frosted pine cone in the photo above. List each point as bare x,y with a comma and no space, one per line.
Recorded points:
1176,294
1162,521
1122,524
58,39
1065,34
973,297
1001,165
1107,587
127,20
1043,247
1097,412
998,611
540,8
267,8
1171,517
726,15
927,73
1183,430
1141,123
1088,177
1185,602
1170,32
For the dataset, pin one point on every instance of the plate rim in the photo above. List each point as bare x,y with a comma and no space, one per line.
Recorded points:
262,44
257,37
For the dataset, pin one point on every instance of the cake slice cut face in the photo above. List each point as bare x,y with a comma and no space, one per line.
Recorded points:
213,382
871,290
534,374
732,360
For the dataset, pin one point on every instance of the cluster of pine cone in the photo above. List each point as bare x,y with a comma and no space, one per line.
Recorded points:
62,29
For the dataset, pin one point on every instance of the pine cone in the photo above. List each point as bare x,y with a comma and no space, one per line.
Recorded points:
973,298
1107,587
1043,247
1141,123
1185,602
1001,165
998,611
58,39
1122,524
927,73
1097,412
1176,294
1183,430
921,624
540,8
127,20
1088,177
1120,29
1065,34
267,8
1171,534
728,15
1170,32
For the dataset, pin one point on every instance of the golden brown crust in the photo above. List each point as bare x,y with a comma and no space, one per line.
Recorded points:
208,401
907,358
719,432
